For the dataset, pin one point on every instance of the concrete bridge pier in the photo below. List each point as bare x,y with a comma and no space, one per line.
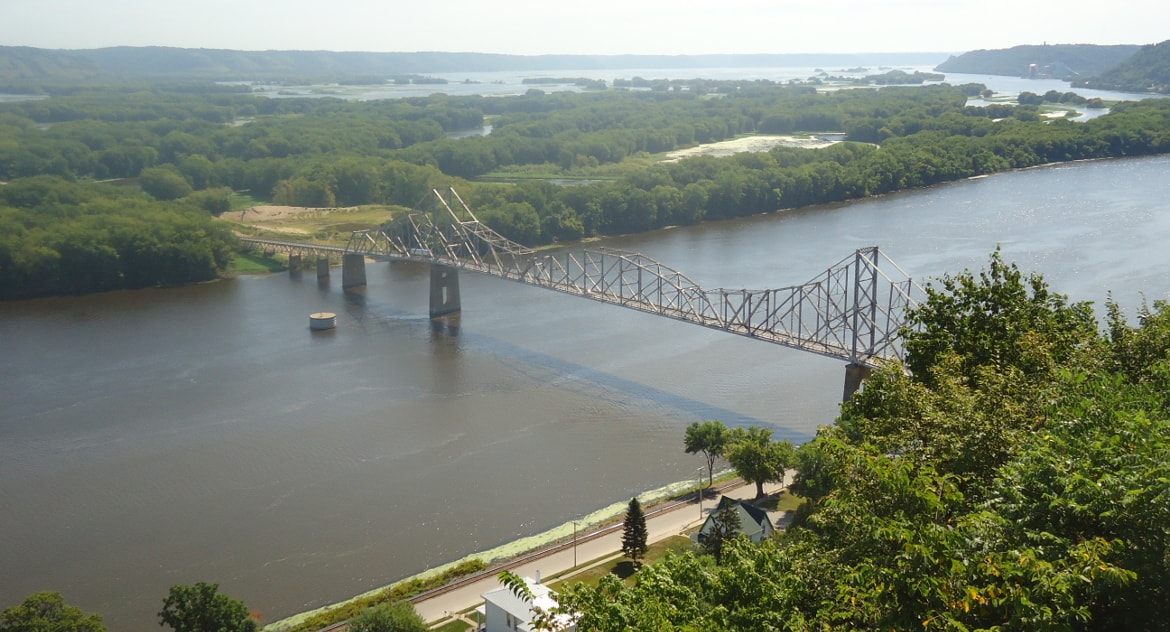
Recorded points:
444,290
322,268
294,265
854,375
353,271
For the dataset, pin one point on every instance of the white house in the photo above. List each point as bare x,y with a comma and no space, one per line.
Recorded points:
504,611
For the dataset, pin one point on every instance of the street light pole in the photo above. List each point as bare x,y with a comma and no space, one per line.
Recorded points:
574,544
700,486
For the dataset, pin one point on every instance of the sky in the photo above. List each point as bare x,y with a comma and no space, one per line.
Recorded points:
582,27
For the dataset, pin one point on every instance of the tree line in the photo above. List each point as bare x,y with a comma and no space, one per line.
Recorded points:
192,150
189,608
61,237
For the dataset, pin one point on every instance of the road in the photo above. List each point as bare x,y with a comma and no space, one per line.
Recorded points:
559,560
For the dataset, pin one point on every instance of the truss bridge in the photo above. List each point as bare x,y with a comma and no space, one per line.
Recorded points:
853,311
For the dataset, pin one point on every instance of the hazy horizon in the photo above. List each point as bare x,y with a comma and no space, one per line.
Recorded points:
602,27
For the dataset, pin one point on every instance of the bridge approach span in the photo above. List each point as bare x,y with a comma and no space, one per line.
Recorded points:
854,311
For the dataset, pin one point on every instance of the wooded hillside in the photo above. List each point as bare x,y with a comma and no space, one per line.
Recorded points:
1058,61
21,63
1146,71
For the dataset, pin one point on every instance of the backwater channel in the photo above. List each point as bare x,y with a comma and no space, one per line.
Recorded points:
203,433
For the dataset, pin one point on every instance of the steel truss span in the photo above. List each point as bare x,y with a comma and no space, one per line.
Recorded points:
854,311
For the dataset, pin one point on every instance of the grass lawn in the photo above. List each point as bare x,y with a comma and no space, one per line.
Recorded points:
782,501
240,201
454,626
328,226
622,567
255,263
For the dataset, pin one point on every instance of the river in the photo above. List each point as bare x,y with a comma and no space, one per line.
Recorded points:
203,433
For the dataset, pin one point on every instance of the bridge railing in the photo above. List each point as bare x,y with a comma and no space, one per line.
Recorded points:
854,311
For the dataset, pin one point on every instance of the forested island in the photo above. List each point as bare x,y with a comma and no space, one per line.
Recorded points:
117,186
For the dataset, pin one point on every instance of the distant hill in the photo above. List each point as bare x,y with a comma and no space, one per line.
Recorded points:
1147,71
19,63
1057,61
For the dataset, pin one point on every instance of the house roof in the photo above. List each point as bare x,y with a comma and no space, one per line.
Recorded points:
752,519
757,515
542,597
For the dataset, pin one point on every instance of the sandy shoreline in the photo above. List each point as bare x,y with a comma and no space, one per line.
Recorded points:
749,144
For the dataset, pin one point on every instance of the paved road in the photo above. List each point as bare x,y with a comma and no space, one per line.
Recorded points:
659,526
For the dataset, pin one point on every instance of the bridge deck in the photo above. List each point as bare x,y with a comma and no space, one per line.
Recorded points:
854,311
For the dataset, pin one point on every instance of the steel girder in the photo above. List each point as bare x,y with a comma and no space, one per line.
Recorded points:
854,311
294,248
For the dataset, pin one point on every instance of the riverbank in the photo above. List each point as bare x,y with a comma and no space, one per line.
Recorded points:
519,552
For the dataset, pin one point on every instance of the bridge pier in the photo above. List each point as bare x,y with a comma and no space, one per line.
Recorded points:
294,265
854,375
353,271
322,268
444,290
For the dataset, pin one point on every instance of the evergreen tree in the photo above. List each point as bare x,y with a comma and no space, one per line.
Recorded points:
725,525
634,533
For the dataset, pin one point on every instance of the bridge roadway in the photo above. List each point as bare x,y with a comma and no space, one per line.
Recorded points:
854,311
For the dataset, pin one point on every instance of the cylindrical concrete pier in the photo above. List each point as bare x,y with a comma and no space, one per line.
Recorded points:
322,321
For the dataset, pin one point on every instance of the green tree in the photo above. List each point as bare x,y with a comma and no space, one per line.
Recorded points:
48,612
710,438
634,532
396,616
1026,494
725,525
201,608
997,319
164,183
214,201
756,458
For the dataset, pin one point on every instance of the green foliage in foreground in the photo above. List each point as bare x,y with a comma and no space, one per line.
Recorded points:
1013,482
48,612
396,616
398,592
202,608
